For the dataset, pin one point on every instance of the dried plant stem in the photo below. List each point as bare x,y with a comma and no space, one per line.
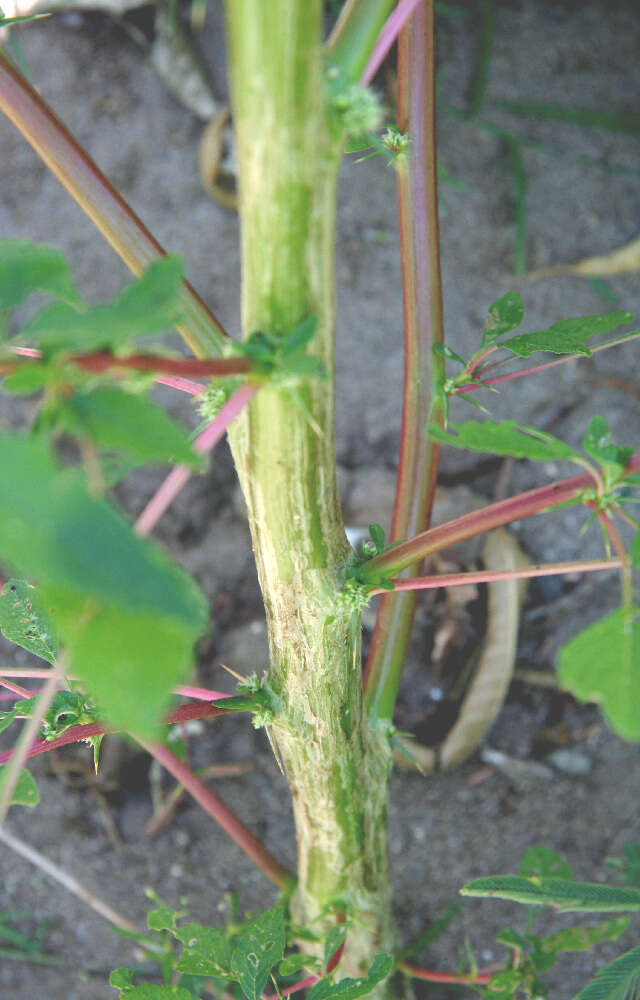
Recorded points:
69,882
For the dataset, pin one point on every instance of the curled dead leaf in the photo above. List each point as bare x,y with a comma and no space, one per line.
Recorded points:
488,688
215,160
624,260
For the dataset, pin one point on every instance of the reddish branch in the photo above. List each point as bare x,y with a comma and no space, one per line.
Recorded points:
75,734
479,978
491,576
98,198
495,515
222,814
104,361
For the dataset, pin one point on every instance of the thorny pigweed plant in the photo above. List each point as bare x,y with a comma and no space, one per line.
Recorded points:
117,621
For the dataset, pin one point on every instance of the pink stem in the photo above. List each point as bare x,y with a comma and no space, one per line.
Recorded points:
222,814
480,978
302,985
205,441
183,384
184,690
202,694
491,576
29,672
538,368
423,328
26,352
535,501
22,692
390,31
625,564
485,354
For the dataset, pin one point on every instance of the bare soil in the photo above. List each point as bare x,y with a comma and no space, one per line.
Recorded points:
446,829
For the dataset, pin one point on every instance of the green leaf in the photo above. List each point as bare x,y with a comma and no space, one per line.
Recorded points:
67,709
163,918
239,703
444,351
121,978
635,550
504,315
504,437
26,791
569,336
580,938
511,939
351,989
129,617
121,421
467,397
300,337
542,861
597,443
334,940
147,991
26,620
146,306
504,983
377,536
602,664
585,897
291,964
31,267
256,949
207,951
6,718
28,378
629,865
620,980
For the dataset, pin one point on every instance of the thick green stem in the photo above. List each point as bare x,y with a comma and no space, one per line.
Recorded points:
288,148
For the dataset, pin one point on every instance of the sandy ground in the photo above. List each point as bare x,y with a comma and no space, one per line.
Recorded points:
444,830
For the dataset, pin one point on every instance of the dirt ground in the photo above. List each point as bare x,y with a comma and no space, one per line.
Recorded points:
447,829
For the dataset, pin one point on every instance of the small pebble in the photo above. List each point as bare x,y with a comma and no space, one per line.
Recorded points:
573,763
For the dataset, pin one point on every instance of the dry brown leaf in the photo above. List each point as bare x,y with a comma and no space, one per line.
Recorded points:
624,260
492,677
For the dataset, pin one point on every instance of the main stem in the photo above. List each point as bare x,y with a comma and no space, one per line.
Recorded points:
337,766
